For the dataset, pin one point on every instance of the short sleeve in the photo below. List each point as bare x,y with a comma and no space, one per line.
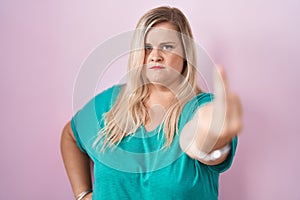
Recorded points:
87,122
226,164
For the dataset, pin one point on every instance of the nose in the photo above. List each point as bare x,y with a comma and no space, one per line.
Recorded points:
155,55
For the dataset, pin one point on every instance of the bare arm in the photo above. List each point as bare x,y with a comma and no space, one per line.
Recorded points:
76,162
198,134
215,124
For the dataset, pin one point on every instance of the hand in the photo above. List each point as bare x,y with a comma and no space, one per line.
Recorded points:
224,113
216,123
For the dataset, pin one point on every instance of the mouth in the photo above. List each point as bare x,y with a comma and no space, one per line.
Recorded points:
156,67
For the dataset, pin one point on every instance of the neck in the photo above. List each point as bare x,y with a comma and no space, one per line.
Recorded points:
157,103
159,95
156,89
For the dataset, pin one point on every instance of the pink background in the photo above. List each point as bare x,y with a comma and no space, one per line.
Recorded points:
43,44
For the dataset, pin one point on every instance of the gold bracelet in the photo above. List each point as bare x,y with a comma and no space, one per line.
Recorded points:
83,194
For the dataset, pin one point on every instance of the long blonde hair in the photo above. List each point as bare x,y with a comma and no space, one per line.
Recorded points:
129,111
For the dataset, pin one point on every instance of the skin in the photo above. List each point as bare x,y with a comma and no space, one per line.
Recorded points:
213,126
162,48
76,162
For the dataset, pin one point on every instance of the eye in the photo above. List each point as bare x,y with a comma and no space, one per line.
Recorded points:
148,47
167,47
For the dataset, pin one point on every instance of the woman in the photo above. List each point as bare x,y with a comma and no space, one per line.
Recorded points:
157,136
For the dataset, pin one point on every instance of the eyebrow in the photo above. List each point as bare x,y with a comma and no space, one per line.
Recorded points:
169,42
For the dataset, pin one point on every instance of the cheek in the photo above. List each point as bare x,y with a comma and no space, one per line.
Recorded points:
177,63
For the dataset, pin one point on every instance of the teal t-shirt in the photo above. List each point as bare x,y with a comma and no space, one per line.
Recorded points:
139,167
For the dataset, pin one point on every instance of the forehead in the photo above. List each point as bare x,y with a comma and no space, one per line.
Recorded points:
162,32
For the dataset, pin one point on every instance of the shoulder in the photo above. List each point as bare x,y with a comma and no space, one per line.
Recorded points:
109,93
203,98
87,122
199,100
100,103
107,97
193,105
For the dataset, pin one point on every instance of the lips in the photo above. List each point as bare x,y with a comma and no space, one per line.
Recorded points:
156,67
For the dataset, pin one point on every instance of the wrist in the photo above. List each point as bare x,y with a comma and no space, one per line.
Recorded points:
83,194
211,156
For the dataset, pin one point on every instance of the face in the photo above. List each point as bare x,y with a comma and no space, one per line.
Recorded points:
163,55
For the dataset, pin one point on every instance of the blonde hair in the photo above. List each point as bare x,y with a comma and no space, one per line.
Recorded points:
129,111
